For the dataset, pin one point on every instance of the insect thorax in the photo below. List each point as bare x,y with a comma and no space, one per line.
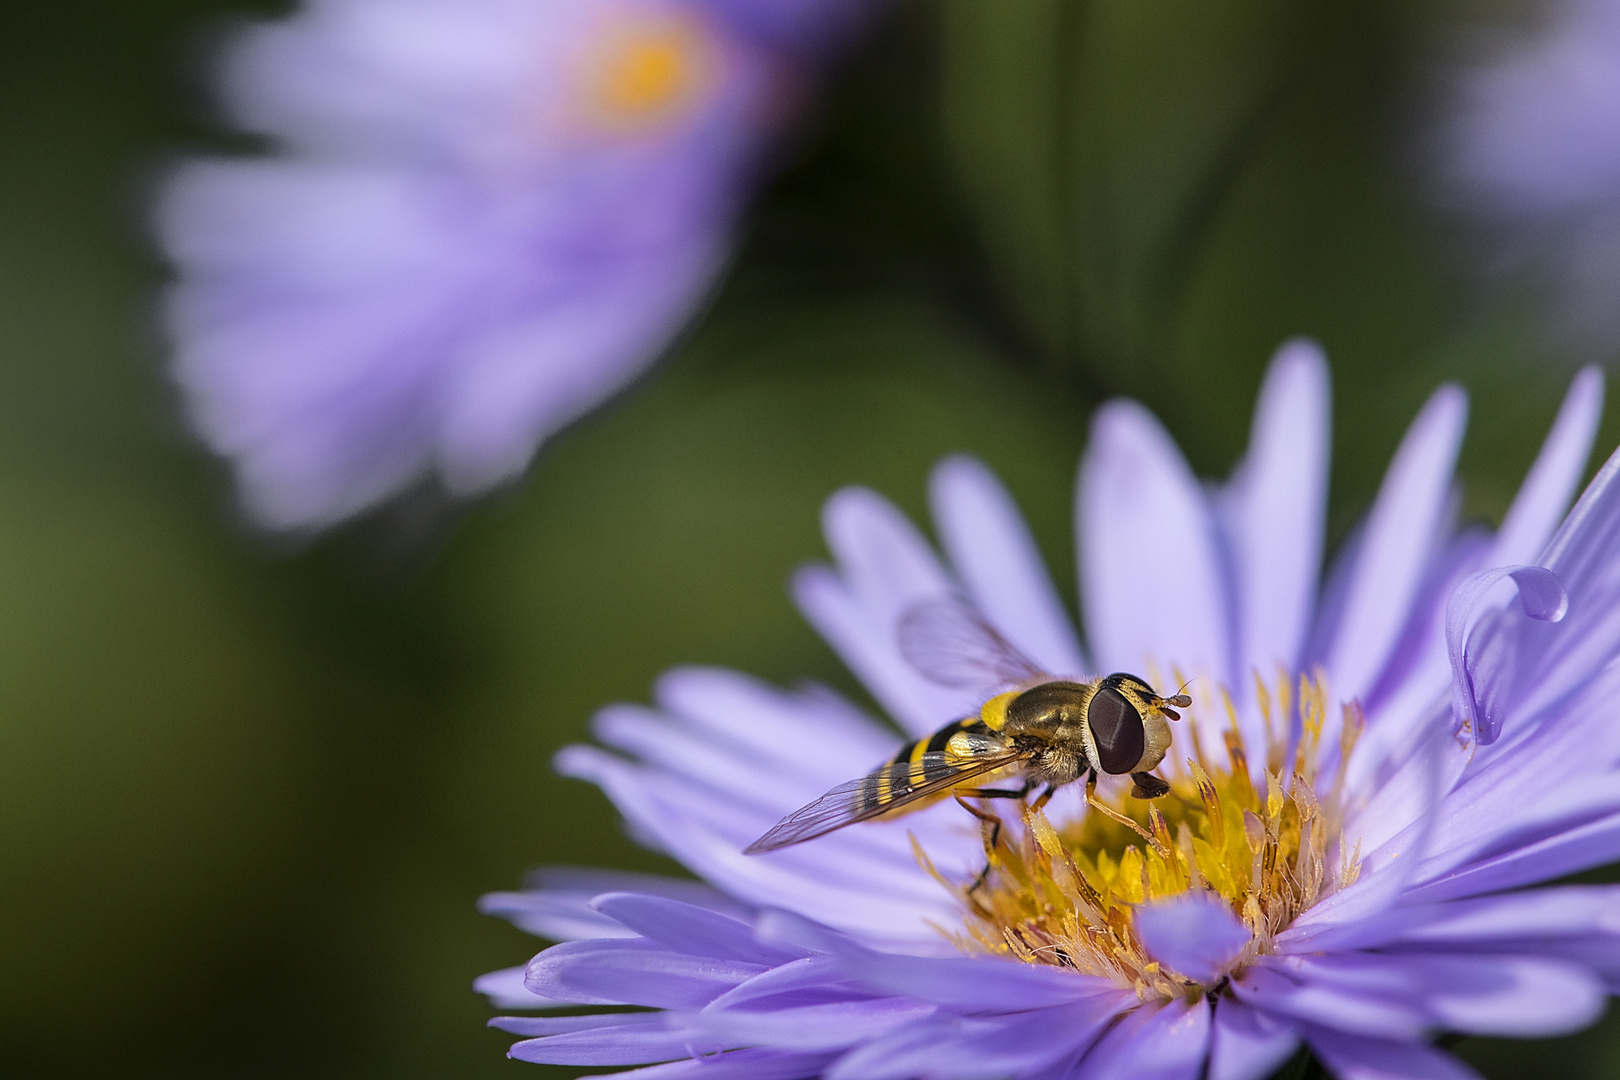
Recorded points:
1049,721
1045,710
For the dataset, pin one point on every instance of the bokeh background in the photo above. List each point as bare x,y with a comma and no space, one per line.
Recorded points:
250,789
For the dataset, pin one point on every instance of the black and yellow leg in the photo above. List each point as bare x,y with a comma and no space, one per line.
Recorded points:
1109,812
991,824
996,793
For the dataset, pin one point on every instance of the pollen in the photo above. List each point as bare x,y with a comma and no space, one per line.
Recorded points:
646,72
1259,826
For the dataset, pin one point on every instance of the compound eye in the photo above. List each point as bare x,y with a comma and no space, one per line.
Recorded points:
1116,730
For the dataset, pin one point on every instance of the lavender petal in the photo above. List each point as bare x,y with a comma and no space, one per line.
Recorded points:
1523,664
952,981
1396,831
1276,506
1245,1044
798,982
991,548
1167,1041
1528,916
1196,935
1541,915
505,990
1362,1011
1156,592
864,880
1522,997
633,972
1551,483
557,903
805,728
1498,995
828,1026
538,1026
1595,843
1358,1058
884,568
968,1048
749,1064
1396,545
627,1044
689,929
1485,675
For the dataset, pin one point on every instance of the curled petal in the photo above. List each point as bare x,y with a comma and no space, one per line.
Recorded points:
1483,671
1520,664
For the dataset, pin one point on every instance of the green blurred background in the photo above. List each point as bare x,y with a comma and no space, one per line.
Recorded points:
250,791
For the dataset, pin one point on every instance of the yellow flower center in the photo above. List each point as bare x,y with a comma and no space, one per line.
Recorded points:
645,72
1066,895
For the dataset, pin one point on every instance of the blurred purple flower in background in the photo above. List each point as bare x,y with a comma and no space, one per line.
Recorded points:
1533,151
1367,781
485,216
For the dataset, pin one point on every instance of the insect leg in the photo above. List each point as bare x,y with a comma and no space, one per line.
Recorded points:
987,817
1148,786
1045,797
1108,811
997,793
992,827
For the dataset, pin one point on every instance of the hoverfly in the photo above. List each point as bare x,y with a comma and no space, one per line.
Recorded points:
1043,730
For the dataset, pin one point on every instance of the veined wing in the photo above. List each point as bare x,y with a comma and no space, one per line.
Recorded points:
952,644
884,789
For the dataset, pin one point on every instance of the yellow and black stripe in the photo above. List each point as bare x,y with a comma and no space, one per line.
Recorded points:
915,765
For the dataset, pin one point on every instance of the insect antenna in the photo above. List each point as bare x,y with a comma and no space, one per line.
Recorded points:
1179,699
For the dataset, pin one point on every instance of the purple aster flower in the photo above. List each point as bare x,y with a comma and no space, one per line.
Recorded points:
487,216
1368,782
1533,149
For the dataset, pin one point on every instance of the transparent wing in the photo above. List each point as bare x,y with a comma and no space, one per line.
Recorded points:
880,791
952,644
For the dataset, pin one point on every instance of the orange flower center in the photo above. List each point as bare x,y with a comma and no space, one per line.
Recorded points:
646,72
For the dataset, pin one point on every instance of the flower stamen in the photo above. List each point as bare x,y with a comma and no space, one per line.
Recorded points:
1066,894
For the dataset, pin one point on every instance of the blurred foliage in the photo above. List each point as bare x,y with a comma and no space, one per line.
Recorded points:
249,793
1096,142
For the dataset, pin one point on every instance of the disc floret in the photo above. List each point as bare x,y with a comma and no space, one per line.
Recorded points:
1267,839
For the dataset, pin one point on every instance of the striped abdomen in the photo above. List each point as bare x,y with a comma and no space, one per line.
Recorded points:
912,766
